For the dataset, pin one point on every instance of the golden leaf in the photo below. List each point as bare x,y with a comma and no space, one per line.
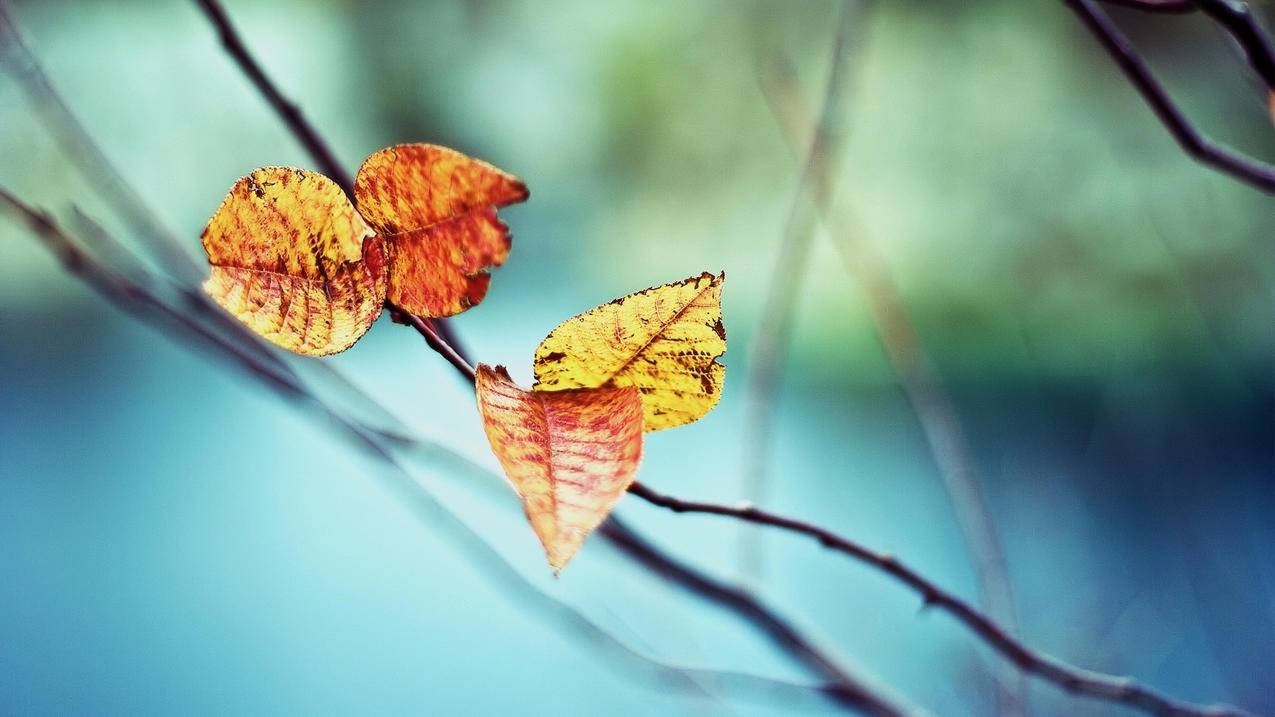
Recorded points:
664,340
436,209
293,260
570,455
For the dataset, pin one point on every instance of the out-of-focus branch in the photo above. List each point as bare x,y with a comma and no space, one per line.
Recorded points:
79,147
139,301
906,355
774,332
1109,688
290,113
1246,169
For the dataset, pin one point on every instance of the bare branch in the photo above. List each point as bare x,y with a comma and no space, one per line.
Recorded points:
1238,19
1235,17
1168,7
1193,142
252,354
139,301
1109,688
79,147
287,110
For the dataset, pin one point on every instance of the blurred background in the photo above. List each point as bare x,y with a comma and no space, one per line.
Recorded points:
1100,308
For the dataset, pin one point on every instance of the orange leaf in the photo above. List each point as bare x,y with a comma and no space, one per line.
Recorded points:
436,209
569,454
664,340
293,260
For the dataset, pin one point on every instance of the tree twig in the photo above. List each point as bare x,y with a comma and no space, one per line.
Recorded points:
1246,169
287,110
1238,19
1235,17
1096,685
1109,688
845,691
263,360
1168,7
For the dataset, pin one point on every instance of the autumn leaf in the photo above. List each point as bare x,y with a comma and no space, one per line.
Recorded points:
569,454
664,340
436,209
293,260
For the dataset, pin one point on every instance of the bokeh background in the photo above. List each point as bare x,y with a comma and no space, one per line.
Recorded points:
176,539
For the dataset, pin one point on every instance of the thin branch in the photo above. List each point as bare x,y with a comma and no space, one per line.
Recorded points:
774,332
919,380
138,301
131,296
1193,142
296,122
79,147
263,361
741,602
1095,684
287,110
1113,689
1168,7
1235,17
1238,19
429,331
1109,688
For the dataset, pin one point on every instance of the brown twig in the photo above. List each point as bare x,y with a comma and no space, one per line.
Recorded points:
136,299
264,362
1168,7
1238,19
287,110
429,331
1193,142
1109,688
1092,684
1097,685
747,606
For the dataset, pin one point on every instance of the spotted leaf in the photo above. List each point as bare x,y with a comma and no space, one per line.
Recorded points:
293,260
664,341
436,209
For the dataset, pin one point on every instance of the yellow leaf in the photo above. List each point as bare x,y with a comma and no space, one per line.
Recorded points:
570,455
664,340
293,260
436,209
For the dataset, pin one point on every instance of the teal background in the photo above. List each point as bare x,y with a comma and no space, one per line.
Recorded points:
175,539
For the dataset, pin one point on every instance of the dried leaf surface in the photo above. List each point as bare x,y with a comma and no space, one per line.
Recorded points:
569,454
436,208
664,340
293,260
